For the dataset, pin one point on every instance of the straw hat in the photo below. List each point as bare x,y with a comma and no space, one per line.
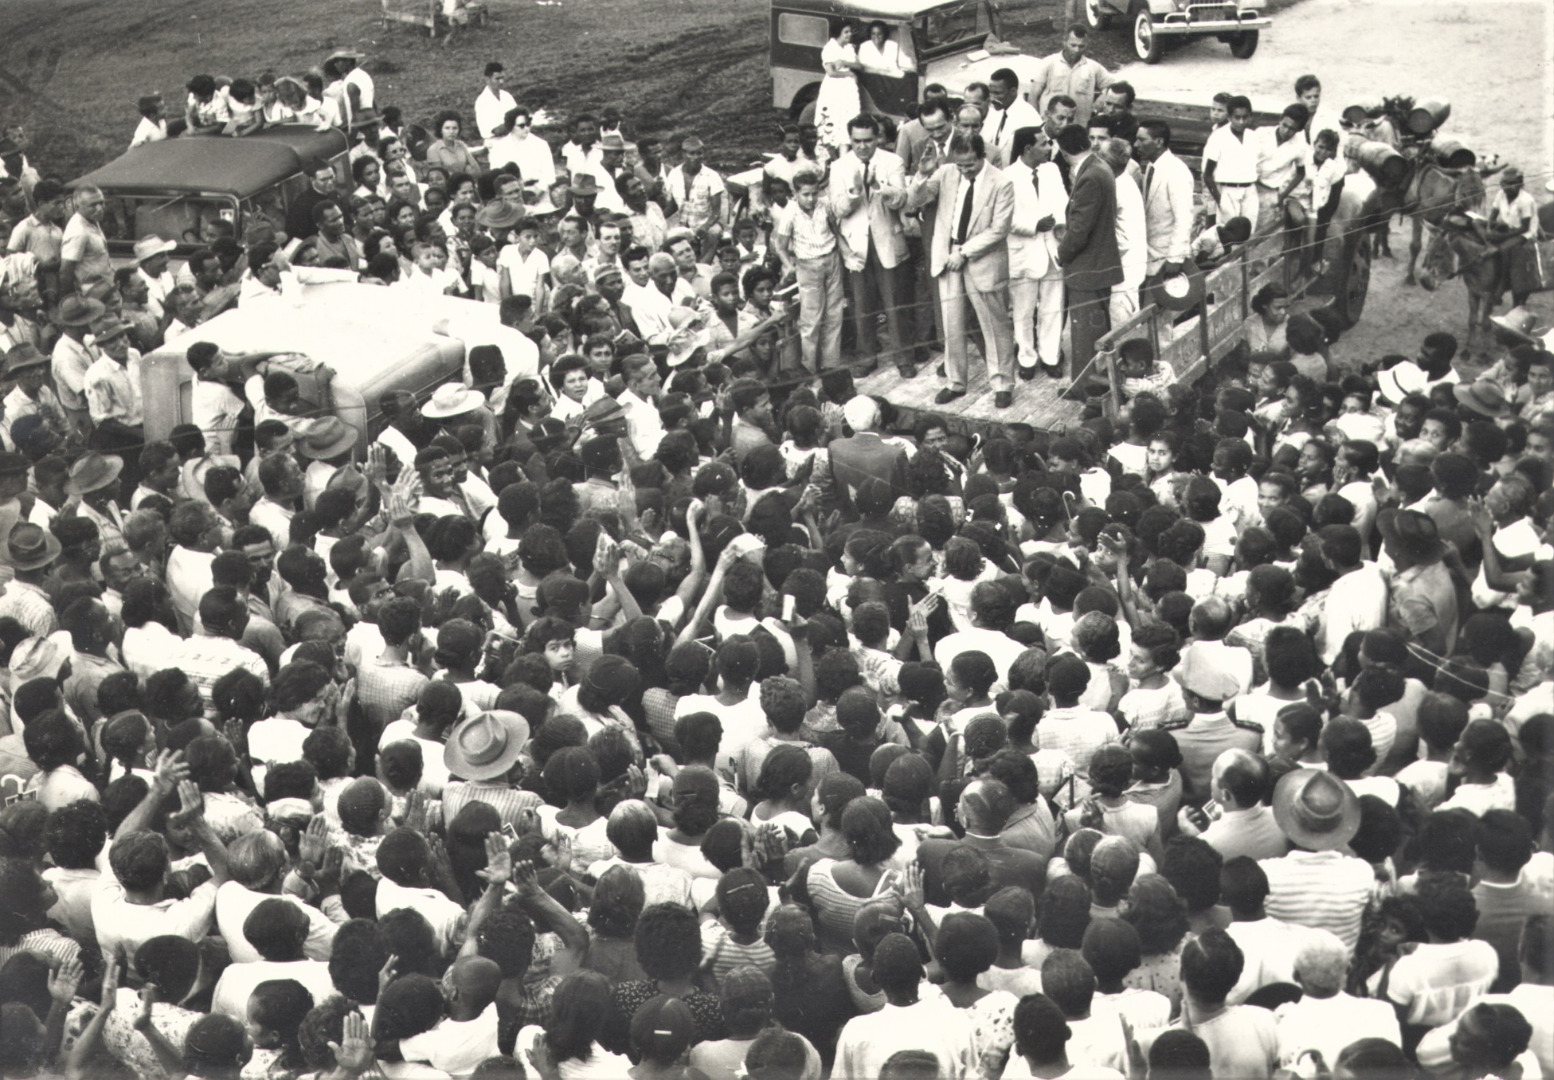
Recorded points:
93,472
148,246
486,746
329,437
1316,810
452,399
30,547
79,311
1483,397
1396,383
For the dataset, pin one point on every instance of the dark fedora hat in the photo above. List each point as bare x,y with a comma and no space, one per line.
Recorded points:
1179,292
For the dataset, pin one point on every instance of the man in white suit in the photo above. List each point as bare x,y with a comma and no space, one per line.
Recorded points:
1168,199
1009,113
1132,231
1035,278
868,188
970,259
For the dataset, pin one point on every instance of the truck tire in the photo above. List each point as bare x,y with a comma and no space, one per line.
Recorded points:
802,101
1243,45
1147,45
1352,278
1097,17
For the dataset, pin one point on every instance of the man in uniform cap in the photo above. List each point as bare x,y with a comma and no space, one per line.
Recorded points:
1209,679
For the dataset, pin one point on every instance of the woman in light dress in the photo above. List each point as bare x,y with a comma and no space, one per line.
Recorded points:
838,101
880,55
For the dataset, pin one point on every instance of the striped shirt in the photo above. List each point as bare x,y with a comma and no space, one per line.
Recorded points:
205,659
813,235
508,802
722,954
1327,890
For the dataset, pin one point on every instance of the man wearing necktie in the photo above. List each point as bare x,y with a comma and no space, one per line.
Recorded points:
970,259
1088,250
1009,113
1035,279
869,186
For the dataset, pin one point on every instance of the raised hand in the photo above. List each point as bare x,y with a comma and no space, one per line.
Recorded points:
313,845
415,811
169,770
191,803
149,996
526,878
386,972
910,886
353,1052
64,980
499,861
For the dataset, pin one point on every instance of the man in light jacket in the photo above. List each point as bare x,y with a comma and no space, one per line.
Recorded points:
1168,199
970,259
868,187
1035,279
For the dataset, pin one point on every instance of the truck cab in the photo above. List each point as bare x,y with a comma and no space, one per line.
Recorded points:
178,189
951,43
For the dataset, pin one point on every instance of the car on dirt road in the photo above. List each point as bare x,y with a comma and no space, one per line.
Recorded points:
1158,25
953,43
178,188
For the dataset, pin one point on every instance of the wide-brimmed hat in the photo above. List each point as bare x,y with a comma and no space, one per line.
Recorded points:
345,54
79,311
328,437
111,327
585,184
499,214
1316,810
30,547
40,657
12,463
22,357
93,472
147,246
612,141
1413,532
1179,291
606,416
452,399
1396,383
1484,397
1523,324
486,746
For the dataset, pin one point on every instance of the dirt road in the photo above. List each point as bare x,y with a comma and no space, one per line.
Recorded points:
1491,61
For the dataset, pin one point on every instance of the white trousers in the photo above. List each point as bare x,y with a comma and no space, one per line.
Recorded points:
1238,202
1038,319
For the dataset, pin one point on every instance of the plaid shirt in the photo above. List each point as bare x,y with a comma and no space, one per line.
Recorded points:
385,691
531,1005
659,704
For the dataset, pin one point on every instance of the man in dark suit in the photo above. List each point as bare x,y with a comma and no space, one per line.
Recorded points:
865,455
1088,250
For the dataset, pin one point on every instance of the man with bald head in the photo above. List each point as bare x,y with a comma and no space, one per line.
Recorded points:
1210,621
985,808
1242,817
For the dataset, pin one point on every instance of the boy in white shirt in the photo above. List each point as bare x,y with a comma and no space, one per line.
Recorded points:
524,269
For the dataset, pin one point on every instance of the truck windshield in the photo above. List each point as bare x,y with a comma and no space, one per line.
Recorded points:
957,25
185,219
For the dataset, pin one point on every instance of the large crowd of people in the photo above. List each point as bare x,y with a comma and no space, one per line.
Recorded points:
1221,725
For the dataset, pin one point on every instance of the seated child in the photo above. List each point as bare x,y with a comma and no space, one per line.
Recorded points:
1213,246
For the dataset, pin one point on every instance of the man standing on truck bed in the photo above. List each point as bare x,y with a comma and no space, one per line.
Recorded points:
1088,251
1070,72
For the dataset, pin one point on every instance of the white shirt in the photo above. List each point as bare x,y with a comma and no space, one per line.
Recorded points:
121,924
1001,124
1002,649
642,423
188,579
491,111
1328,1025
867,1042
455,1046
148,131
235,902
530,153
1235,159
363,82
1268,948
1276,161
238,982
446,917
1357,601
